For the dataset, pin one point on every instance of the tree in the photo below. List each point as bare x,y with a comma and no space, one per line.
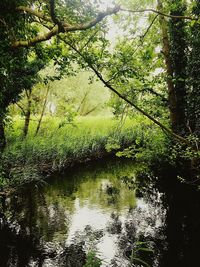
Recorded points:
12,62
27,112
57,26
193,70
19,68
178,58
48,20
21,38
181,47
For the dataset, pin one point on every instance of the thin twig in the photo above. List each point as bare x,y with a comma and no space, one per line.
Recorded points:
138,46
159,13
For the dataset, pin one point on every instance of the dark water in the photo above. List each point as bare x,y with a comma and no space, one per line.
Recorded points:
107,208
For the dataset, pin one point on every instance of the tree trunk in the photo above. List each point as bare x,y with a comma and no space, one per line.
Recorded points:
81,106
169,69
90,111
194,85
2,136
179,62
194,77
27,113
43,110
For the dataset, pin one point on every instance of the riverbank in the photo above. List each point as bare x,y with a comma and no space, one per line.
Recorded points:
58,146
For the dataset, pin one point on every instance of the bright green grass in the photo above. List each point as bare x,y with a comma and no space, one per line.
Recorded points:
55,148
86,137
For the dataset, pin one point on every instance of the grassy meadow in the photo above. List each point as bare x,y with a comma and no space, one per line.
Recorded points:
59,145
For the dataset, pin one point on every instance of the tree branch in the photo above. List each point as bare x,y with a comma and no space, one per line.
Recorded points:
89,40
54,18
159,13
65,27
56,30
148,29
36,39
91,110
109,86
151,91
33,12
138,46
22,109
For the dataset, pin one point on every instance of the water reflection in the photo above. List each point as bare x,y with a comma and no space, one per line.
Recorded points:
92,208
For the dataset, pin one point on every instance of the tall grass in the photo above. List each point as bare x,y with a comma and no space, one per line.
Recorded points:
60,145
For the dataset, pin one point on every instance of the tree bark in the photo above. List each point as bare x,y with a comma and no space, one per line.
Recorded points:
194,77
178,56
27,114
2,136
169,69
62,27
43,110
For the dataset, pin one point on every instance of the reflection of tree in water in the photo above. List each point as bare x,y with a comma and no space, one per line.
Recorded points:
182,224
115,225
38,221
106,194
20,235
73,255
141,234
36,216
102,186
29,222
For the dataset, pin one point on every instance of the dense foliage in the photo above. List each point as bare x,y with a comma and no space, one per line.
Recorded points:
152,66
83,80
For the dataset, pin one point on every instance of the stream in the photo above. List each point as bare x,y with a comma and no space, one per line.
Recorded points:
104,209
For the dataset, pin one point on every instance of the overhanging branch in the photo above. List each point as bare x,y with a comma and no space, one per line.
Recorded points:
109,86
65,27
37,39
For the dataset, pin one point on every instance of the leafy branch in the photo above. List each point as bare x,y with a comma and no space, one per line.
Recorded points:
159,13
58,28
63,27
111,88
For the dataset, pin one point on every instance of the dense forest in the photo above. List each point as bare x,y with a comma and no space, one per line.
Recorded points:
89,81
